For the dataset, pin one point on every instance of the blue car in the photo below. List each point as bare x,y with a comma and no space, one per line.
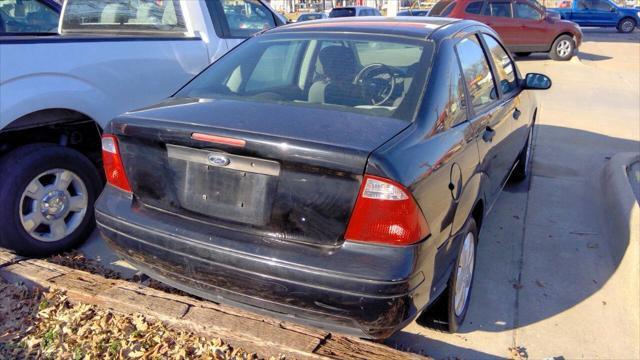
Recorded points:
29,17
601,13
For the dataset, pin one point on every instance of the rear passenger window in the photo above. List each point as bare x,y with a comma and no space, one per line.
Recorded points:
474,8
477,73
500,9
505,69
456,109
144,16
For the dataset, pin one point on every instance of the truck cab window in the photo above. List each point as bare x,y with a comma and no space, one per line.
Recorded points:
27,16
241,18
142,16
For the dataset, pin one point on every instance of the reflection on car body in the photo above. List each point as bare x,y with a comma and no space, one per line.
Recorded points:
331,177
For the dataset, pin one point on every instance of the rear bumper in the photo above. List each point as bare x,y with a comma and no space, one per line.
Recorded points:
358,289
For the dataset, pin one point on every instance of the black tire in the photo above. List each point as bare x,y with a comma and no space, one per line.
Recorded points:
523,168
523,54
563,48
27,163
626,25
454,321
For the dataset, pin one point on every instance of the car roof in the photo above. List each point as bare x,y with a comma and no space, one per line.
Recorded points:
352,7
419,27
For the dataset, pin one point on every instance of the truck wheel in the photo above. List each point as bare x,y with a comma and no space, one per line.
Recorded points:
523,168
523,54
47,202
563,48
461,281
626,25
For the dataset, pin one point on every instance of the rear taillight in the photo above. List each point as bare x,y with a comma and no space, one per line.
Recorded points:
113,167
386,213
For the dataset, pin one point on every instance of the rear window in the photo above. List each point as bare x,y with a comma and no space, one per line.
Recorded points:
442,8
474,8
499,9
125,16
342,12
368,74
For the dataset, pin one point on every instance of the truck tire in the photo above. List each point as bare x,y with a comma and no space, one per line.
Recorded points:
626,25
563,48
47,202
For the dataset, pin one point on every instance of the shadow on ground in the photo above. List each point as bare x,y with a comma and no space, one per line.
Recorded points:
563,154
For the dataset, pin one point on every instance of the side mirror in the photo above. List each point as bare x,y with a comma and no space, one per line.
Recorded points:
535,81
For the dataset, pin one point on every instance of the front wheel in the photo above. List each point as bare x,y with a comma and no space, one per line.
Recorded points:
626,25
563,48
48,199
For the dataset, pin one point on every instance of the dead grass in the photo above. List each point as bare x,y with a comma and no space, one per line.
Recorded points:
46,325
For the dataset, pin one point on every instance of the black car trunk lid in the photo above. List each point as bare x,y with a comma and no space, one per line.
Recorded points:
284,172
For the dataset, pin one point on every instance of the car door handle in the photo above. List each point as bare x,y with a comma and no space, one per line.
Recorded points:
516,114
488,134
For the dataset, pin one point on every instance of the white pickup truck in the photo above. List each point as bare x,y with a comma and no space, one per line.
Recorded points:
58,90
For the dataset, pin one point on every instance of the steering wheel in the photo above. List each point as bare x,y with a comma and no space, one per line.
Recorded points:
377,83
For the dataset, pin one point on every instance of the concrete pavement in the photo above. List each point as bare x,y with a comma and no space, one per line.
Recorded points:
547,282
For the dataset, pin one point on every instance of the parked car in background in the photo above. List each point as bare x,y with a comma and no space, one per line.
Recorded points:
524,26
415,12
58,92
601,13
353,11
312,16
334,173
29,17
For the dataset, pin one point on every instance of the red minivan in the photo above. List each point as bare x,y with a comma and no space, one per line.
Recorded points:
524,25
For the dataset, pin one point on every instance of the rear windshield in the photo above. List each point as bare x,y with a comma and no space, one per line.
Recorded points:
442,8
369,74
342,12
127,16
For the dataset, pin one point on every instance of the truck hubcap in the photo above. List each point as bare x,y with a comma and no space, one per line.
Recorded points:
464,274
53,205
627,26
564,48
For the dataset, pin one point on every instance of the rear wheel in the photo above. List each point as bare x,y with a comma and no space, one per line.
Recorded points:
626,25
563,48
461,281
523,54
47,203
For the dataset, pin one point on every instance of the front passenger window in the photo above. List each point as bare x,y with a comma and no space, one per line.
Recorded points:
477,73
526,11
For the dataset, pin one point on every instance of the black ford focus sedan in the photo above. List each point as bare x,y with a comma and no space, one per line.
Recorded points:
333,173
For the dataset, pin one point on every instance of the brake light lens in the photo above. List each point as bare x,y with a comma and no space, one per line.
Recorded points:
386,213
113,167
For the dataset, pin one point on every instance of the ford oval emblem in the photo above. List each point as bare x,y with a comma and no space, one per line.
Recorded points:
218,160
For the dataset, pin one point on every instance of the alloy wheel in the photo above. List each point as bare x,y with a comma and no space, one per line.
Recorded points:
563,49
53,205
464,274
